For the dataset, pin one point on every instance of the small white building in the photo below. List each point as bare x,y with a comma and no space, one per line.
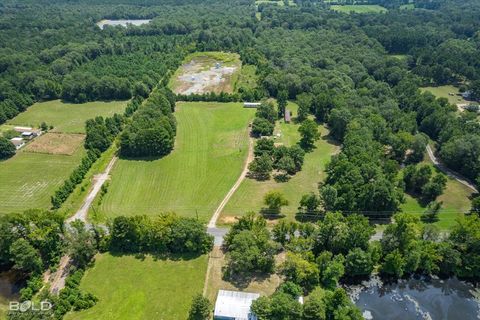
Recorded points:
28,135
234,305
251,104
23,129
17,142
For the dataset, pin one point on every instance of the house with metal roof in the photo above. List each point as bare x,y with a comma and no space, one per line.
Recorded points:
234,305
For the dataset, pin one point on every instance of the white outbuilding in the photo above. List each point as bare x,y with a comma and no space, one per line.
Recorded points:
234,305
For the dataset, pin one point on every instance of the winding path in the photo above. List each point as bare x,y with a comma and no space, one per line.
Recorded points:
449,172
57,279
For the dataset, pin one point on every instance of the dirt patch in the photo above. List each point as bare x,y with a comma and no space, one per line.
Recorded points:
56,143
204,75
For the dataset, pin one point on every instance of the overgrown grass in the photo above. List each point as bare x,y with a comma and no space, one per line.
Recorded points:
247,78
66,117
359,8
132,288
210,149
249,196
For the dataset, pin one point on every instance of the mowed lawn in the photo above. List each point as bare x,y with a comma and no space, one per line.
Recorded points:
443,92
359,8
249,196
210,150
28,180
66,117
129,288
455,200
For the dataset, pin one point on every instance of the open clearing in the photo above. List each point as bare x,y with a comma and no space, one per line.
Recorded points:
444,92
29,179
455,200
280,3
210,150
359,8
131,288
204,72
249,196
56,143
66,117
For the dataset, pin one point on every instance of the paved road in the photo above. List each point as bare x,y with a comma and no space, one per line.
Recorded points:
57,279
449,172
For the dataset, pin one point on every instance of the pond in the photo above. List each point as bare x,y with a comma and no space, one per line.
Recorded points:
418,299
10,286
122,22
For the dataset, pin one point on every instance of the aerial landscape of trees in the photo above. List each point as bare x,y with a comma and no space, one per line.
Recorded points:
357,76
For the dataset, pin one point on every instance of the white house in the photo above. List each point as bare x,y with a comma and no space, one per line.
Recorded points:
234,305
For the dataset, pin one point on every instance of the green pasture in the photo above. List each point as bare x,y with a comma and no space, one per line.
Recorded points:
249,196
210,150
445,92
66,117
129,287
364,8
27,180
455,198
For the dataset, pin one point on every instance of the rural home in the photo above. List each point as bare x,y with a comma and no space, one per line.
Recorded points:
18,142
251,104
234,305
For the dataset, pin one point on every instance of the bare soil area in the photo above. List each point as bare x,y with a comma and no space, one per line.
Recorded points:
204,75
56,143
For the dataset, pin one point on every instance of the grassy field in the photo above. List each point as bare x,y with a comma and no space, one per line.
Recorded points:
249,196
280,3
211,147
29,179
455,200
130,288
359,8
443,92
66,117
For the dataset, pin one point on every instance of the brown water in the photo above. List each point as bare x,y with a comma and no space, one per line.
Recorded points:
413,299
10,286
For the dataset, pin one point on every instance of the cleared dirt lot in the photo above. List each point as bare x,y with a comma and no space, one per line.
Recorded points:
210,72
56,143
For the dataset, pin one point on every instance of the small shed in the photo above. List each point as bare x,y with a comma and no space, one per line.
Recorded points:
17,142
287,116
251,104
23,129
28,135
234,305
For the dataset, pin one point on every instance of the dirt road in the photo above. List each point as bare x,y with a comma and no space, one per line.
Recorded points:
216,214
57,279
98,182
448,172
